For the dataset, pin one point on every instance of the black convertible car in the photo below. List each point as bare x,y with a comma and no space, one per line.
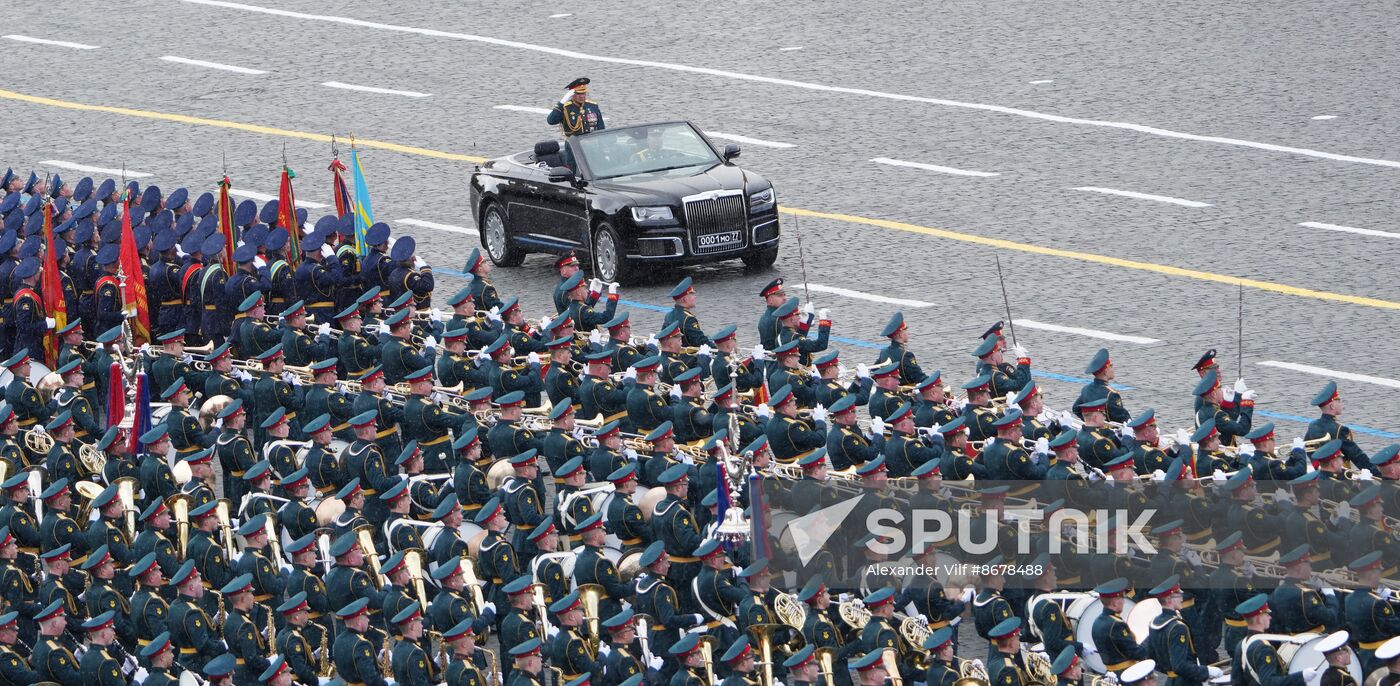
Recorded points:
624,199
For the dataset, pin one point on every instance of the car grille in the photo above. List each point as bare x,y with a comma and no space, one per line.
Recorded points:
715,216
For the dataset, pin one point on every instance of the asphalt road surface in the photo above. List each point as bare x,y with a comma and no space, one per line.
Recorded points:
1131,167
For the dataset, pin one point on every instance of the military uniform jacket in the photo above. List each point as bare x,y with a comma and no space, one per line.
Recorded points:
354,659
149,613
498,566
84,419
1006,669
1097,389
790,437
324,399
571,653
592,567
1115,642
909,371
1098,445
102,596
208,555
469,483
1327,425
575,118
106,532
673,525
192,632
411,665
940,673
268,582
624,520
57,529
357,353
692,421
462,671
905,453
1055,629
989,609
55,662
847,447
1298,608
299,653
719,596
1262,666
61,463
646,409
620,664
601,397
506,439
1172,647
560,383
21,524
100,668
15,669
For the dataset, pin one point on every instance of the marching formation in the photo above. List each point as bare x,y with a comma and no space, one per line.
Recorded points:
294,462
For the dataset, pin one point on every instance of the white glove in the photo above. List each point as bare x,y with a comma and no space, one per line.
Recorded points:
612,289
595,285
936,429
630,374
141,675
809,310
1247,450
819,413
243,375
187,358
1343,512
758,352
552,631
326,251
1218,475
568,95
763,411
1182,438
218,423
494,314
1193,557
325,329
544,322
287,377
595,337
532,358
259,262
1298,445
777,682
822,315
1011,400
286,568
862,371
704,350
1247,395
1229,396
323,680
1159,475
1095,476
1247,569
877,426
1215,672
686,459
1090,650
1385,593
430,343
604,649
579,432
236,556
1283,495
1019,351
656,663
382,329
418,262
296,380
437,316
843,598
676,392
49,322
1311,674
652,342
145,349
1042,446
1239,386
439,397
967,595
629,454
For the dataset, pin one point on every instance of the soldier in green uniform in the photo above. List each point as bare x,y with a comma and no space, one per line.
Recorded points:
1005,667
729,365
520,622
942,665
621,665
399,356
571,507
277,388
978,414
560,444
593,567
1098,444
790,372
1370,614
1329,403
790,436
691,660
845,443
102,595
716,596
186,436
450,606
1233,416
569,651
98,666
1170,639
1298,607
829,373
222,379
1262,455
469,476
821,631
1114,641
325,396
10,451
159,658
739,661
53,659
645,408
191,630
462,669
251,334
356,351
299,345
1260,664
990,364
150,613
62,460
355,656
496,556
269,585
600,396
990,608
409,662
674,526
896,352
575,113
170,363
235,451
1101,368
683,295
14,666
528,663
906,452
427,422
1147,456
69,398
1032,405
23,398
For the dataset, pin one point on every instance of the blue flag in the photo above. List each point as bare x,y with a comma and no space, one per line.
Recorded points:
364,214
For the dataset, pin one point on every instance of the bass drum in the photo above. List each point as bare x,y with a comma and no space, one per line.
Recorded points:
1307,656
1081,614
1140,619
648,499
37,371
329,510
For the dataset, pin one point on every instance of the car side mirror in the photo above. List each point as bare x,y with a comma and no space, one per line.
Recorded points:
731,151
560,174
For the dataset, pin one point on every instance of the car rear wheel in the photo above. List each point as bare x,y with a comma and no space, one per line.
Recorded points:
609,261
499,247
762,259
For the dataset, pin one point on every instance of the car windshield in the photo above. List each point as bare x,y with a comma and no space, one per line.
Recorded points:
645,150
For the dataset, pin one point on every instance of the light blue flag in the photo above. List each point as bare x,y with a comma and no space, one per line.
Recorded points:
364,214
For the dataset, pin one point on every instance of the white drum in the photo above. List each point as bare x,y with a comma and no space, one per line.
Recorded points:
1140,618
1306,656
1082,614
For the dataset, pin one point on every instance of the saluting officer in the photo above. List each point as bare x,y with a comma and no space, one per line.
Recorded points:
575,113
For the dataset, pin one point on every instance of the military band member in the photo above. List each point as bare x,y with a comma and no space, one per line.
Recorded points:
62,460
149,613
497,557
1262,455
990,363
1170,639
1298,607
910,373
204,546
846,444
528,663
158,658
356,351
69,398
1337,654
569,651
200,487
53,658
102,594
789,436
620,664
11,453
303,580
462,669
1067,668
943,664
645,408
691,660
1005,666
1261,665
1329,403
191,630
1369,612
355,656
221,670
348,578
411,664
1387,654
1112,637
1232,417
251,335
905,452
58,528
1101,368
730,365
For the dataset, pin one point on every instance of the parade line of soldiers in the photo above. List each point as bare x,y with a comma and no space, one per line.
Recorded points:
347,485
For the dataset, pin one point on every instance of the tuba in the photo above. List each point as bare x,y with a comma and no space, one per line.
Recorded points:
592,596
890,661
413,562
365,535
126,493
179,504
223,512
274,541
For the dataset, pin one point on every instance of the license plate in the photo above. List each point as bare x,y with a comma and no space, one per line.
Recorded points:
717,239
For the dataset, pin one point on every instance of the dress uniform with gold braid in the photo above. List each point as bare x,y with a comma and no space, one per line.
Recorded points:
576,117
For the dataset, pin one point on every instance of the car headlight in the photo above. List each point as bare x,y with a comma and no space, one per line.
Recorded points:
652,215
762,200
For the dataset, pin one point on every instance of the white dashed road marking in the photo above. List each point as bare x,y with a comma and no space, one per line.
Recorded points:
932,167
1143,196
439,227
1349,229
374,89
1091,333
212,65
848,293
1332,373
62,164
58,43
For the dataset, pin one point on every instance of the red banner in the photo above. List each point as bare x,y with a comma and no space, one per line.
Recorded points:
287,216
226,223
133,284
51,285
343,204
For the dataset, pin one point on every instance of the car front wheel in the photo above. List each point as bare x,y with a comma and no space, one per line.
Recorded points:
609,261
499,247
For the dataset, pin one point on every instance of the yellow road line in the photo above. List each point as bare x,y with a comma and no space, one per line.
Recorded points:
1101,259
998,243
237,126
